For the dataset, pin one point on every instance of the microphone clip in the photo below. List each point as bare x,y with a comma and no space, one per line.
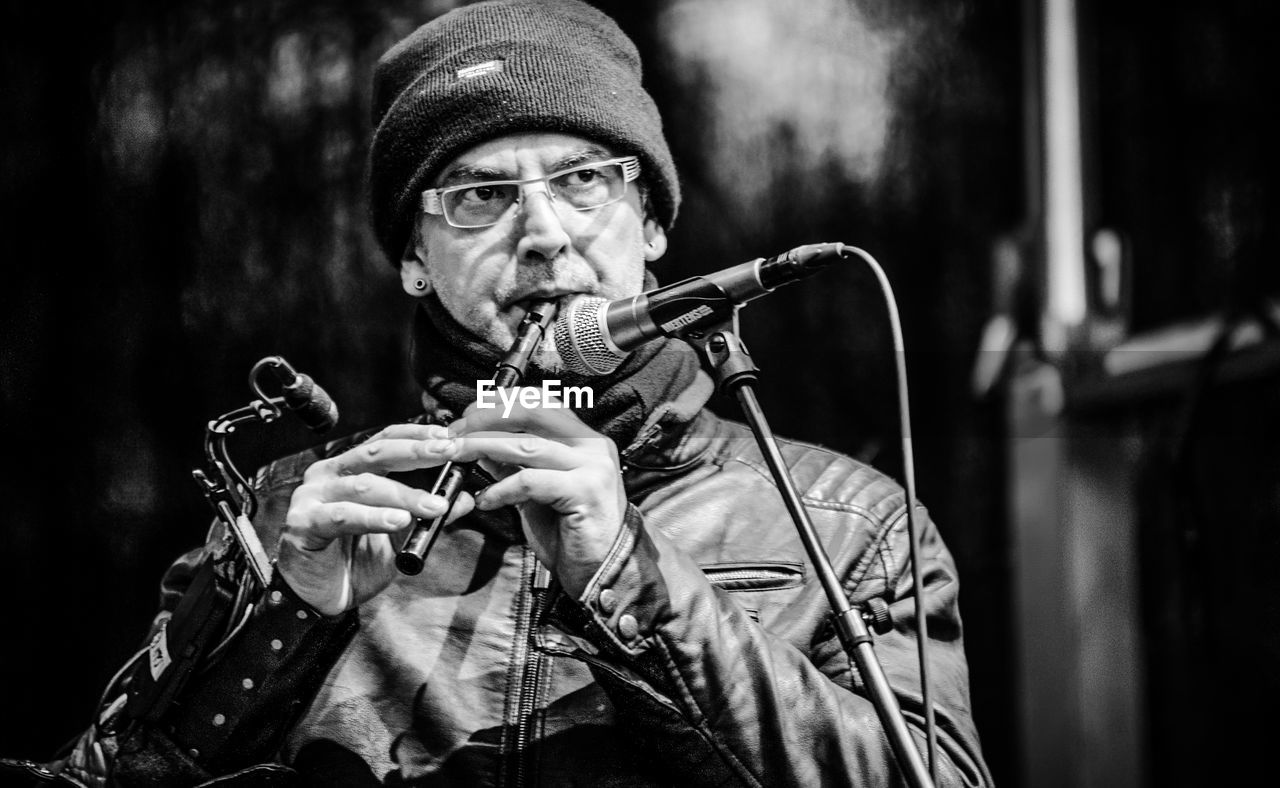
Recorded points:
724,353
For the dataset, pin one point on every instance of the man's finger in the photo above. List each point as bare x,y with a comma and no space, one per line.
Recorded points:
320,524
554,422
521,449
374,490
419,432
385,455
556,489
461,507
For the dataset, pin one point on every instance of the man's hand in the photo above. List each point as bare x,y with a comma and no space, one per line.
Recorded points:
345,521
562,475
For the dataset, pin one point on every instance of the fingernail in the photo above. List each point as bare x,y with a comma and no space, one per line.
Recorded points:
430,504
442,446
482,500
396,518
456,428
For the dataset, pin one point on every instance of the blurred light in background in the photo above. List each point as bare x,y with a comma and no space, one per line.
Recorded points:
795,86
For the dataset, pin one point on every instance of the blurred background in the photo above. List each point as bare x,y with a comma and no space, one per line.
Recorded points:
1074,201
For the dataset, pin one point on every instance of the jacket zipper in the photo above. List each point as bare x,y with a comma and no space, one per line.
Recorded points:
749,575
754,578
530,660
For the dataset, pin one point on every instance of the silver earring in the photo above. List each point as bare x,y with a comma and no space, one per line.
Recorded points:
419,284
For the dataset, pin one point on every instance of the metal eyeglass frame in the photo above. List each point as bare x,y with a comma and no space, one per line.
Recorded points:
433,202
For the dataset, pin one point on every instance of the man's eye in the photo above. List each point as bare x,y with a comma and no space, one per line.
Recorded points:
479,194
582,177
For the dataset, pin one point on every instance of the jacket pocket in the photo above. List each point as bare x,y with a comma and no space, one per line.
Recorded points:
755,575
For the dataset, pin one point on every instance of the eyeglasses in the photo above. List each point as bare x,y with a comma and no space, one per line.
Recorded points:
581,188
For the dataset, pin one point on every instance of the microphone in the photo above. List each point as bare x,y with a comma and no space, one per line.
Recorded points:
311,403
594,335
300,393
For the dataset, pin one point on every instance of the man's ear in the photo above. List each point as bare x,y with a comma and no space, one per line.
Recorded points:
413,268
655,238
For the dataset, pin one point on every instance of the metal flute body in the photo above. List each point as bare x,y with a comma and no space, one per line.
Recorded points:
509,372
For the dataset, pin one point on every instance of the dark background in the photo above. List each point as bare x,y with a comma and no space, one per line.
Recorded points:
181,194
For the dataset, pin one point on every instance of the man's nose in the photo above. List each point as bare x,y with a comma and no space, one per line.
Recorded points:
542,236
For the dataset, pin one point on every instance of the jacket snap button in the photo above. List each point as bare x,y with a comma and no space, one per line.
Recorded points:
628,627
608,601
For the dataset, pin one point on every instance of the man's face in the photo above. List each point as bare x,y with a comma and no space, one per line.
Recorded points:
539,249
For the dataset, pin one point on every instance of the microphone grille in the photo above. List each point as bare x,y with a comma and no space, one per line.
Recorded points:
580,340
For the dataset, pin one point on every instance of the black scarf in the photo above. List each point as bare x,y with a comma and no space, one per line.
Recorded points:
448,360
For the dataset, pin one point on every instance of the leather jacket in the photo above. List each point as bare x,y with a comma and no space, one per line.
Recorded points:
700,654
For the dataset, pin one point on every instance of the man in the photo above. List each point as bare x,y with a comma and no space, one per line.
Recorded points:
620,597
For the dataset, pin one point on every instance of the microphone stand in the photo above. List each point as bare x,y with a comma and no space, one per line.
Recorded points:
726,359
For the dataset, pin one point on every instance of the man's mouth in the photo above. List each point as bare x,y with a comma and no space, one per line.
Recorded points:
558,297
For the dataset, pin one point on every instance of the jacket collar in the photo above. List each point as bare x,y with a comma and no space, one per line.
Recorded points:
677,433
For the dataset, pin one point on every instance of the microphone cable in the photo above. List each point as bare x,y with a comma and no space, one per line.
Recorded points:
909,486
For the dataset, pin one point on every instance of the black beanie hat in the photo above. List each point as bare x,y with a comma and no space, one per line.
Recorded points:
504,67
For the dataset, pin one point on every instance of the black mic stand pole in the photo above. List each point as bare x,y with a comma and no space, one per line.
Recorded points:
726,358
